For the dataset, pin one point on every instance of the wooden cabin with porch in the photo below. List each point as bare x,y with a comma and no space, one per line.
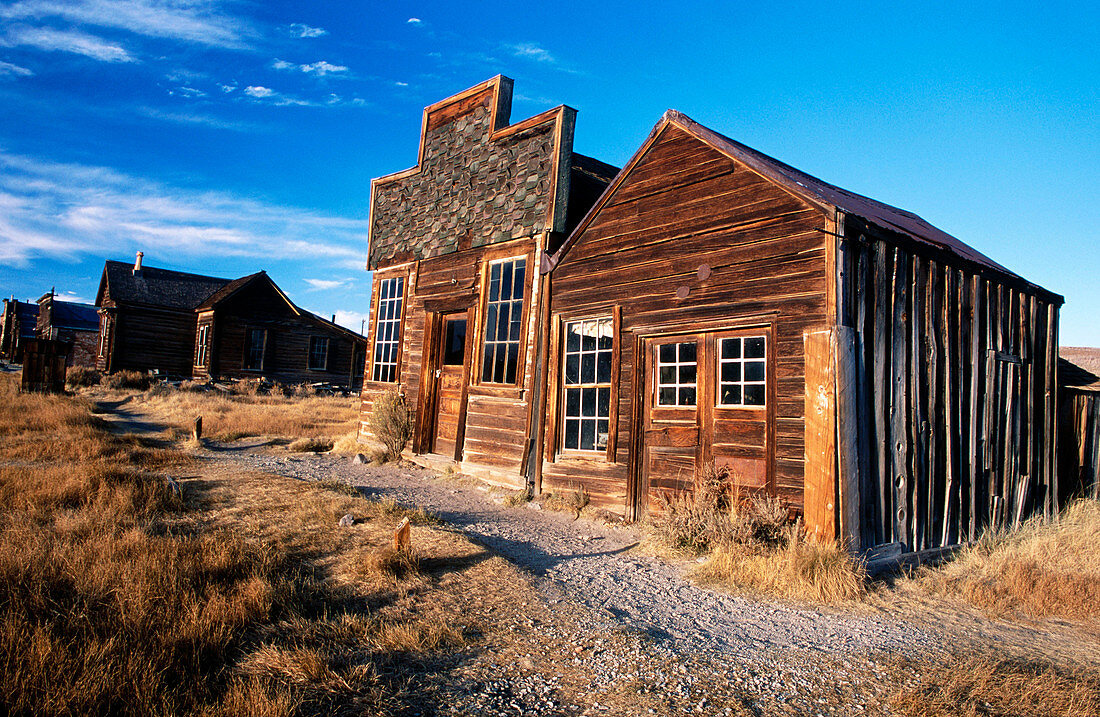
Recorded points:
147,317
250,329
717,307
458,304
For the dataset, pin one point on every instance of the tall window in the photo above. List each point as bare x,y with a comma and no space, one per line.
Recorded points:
387,329
588,349
503,321
318,353
741,371
254,345
676,374
200,356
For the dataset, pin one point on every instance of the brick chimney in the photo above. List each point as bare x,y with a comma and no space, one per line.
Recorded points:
137,262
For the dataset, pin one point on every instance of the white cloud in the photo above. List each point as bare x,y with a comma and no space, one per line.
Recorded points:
326,284
353,320
72,297
322,68
186,92
8,70
199,119
259,92
531,51
401,84
71,210
300,30
197,21
414,21
227,89
72,41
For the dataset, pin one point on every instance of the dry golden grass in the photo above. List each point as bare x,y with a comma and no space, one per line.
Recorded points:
986,685
229,417
1040,570
795,568
124,592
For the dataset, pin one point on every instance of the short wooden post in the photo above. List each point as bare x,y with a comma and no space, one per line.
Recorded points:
196,433
402,537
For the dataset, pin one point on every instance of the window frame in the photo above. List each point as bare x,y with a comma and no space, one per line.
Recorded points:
309,352
376,302
766,382
655,383
483,312
248,346
202,350
610,385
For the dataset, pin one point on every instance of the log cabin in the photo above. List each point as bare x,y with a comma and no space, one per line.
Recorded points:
19,323
250,328
147,317
74,324
717,308
458,306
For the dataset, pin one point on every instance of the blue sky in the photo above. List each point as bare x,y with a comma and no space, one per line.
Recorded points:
228,137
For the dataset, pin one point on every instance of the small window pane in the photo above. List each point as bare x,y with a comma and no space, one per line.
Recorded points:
667,396
754,395
687,396
668,353
754,370
572,402
572,369
601,435
731,394
754,347
603,402
572,338
588,368
667,374
588,435
731,371
687,352
588,402
687,373
572,433
731,348
603,367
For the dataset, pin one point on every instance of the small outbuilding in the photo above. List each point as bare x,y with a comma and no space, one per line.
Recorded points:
717,307
19,323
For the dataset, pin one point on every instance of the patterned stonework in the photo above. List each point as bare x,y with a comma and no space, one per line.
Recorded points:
470,191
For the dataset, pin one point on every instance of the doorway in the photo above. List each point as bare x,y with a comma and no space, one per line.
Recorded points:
708,399
450,386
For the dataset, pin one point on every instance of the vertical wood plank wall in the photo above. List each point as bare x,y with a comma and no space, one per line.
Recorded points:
955,372
1079,462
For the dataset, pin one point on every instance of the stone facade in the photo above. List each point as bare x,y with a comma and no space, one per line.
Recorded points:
471,189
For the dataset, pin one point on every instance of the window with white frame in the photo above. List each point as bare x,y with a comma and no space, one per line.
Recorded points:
677,372
503,321
200,355
387,329
742,371
587,385
318,353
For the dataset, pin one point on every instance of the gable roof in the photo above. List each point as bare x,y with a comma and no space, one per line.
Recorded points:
230,289
155,287
826,197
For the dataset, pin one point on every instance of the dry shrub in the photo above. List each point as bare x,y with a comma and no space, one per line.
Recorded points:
300,390
387,563
986,685
390,422
715,514
572,500
1038,570
306,445
348,444
82,377
126,380
193,386
794,568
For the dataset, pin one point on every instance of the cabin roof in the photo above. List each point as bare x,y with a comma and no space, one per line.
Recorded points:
71,315
156,287
231,288
817,192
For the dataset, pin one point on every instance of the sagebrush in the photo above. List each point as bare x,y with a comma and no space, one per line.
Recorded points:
390,422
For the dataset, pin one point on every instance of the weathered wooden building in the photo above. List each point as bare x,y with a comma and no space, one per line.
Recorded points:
147,317
19,323
717,306
250,328
1079,422
74,324
458,305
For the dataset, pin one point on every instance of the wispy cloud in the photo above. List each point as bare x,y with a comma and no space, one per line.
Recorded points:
414,21
320,68
197,119
259,93
531,51
186,92
44,38
301,30
9,70
326,284
196,21
69,210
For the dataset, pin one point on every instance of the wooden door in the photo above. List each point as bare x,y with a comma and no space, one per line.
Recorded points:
450,386
708,401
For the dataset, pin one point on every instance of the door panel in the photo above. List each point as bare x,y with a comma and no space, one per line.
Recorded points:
707,400
450,386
